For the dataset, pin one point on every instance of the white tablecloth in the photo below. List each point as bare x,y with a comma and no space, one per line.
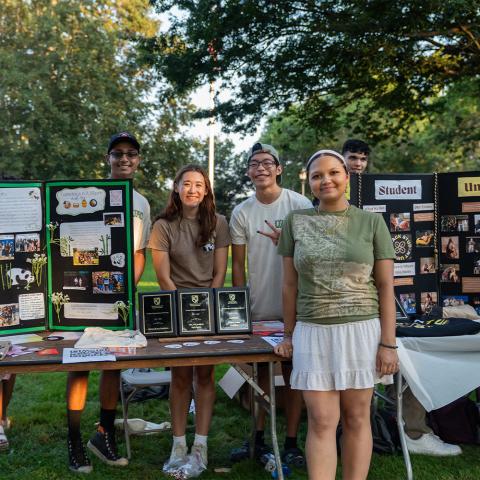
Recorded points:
440,369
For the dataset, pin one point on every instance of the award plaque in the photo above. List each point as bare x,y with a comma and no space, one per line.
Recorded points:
158,316
195,312
232,310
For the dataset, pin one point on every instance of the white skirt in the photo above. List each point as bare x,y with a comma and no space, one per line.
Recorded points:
336,357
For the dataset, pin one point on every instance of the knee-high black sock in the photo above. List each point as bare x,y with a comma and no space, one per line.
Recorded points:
73,423
107,419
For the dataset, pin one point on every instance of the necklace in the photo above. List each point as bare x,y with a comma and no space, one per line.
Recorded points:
333,224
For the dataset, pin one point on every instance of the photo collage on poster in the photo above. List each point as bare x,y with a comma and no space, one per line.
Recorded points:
22,258
406,202
90,242
459,227
65,255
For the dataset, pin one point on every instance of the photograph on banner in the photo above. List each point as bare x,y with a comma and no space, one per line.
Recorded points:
113,219
78,280
424,238
454,223
108,282
7,247
400,222
476,267
473,244
450,273
9,315
27,242
85,257
454,300
476,222
408,302
427,301
427,265
450,248
402,244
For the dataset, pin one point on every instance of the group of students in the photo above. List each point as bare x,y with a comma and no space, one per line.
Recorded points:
334,265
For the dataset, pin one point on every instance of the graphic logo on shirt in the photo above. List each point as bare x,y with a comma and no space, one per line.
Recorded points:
195,298
209,247
138,214
278,223
402,244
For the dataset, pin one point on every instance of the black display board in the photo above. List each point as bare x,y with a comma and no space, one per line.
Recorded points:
89,246
23,261
407,204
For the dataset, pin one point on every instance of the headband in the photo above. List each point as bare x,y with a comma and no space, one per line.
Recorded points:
331,153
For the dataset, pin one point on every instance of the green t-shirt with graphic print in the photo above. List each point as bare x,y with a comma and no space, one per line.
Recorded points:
333,254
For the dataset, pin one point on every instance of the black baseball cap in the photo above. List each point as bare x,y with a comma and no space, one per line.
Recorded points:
123,137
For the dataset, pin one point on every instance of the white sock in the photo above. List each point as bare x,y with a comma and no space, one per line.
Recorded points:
200,439
179,441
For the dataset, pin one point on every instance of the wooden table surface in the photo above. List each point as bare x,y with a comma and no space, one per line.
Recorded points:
156,354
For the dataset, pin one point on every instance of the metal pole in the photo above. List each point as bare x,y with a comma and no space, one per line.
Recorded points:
211,140
303,188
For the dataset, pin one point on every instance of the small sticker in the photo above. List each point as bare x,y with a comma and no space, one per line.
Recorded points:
173,345
211,342
402,244
236,341
375,208
422,207
191,344
118,260
116,198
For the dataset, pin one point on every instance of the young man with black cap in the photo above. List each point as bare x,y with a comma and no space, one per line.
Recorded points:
123,156
255,227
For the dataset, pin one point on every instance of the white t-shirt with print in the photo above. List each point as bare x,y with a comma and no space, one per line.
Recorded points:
141,221
265,271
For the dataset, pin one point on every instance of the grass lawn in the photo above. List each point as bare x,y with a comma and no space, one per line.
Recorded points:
38,437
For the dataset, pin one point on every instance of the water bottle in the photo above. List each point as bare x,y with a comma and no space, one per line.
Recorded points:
286,471
268,459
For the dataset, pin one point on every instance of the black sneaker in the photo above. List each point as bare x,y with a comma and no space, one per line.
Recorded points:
103,445
78,460
243,452
293,456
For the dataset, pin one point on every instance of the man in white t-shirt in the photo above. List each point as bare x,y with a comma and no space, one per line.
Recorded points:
123,156
255,226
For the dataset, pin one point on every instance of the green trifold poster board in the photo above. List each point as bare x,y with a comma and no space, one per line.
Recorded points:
66,255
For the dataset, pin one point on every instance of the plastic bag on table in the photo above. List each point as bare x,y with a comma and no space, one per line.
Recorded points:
191,467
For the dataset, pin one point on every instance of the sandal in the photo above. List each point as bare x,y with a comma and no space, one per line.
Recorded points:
4,445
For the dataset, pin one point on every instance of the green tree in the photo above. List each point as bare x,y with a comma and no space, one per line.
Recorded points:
70,78
389,56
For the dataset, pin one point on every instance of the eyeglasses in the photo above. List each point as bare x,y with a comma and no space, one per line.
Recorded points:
264,163
118,155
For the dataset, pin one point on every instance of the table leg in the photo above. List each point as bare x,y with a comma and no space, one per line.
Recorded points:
254,410
401,432
273,421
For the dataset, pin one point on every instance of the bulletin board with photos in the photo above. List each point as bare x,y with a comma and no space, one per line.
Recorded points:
22,258
458,208
89,245
407,204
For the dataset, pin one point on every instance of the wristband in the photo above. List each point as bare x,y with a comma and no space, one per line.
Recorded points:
384,345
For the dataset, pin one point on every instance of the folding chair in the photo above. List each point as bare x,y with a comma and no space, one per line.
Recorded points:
138,379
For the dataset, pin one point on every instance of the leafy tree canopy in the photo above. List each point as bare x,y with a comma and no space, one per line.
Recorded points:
322,55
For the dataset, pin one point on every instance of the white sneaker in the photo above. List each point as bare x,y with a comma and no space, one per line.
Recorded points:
430,444
202,450
179,455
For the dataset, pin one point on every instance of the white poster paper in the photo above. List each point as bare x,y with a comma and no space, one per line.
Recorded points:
82,355
398,189
422,207
75,201
97,311
21,210
404,269
375,208
31,306
86,236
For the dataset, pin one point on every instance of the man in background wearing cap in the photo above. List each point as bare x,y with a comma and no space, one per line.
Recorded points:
255,227
356,154
123,156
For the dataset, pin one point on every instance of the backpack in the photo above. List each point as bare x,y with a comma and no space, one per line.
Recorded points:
457,422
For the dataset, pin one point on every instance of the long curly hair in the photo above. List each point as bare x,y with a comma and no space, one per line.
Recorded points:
206,213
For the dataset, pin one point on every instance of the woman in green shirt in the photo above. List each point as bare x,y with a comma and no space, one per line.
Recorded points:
339,314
